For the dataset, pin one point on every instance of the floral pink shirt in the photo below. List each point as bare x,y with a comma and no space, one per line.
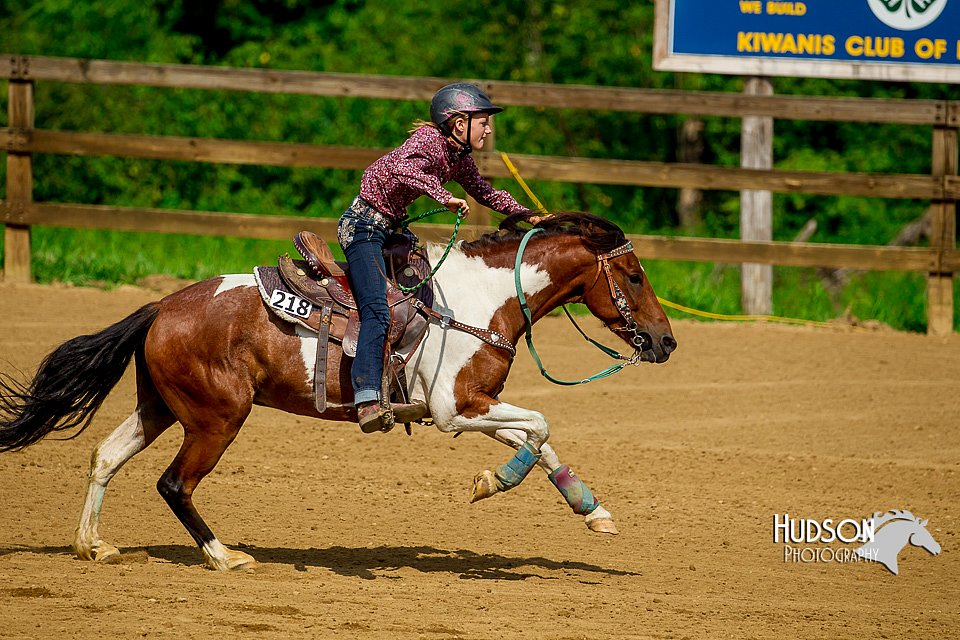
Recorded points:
422,165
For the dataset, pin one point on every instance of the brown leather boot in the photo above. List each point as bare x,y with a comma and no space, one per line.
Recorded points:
373,417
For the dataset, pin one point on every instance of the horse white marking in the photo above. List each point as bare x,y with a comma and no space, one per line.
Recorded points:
505,415
309,342
471,292
234,280
221,558
125,442
308,351
515,438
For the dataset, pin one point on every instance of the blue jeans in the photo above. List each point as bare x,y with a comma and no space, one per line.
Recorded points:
362,232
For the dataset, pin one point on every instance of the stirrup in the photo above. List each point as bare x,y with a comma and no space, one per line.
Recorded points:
384,418
408,412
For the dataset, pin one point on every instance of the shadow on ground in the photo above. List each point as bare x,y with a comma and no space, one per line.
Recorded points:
371,562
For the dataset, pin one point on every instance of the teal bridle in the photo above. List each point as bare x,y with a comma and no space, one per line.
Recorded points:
619,299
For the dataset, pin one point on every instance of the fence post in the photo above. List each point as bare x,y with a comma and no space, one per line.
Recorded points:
16,237
756,218
943,233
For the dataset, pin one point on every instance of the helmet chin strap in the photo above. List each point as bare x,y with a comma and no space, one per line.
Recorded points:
465,147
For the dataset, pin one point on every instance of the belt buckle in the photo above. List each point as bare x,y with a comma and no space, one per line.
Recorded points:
355,206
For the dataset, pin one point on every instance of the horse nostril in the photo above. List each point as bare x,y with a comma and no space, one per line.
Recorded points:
668,343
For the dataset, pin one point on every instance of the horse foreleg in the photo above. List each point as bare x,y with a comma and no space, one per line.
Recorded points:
570,486
499,415
133,435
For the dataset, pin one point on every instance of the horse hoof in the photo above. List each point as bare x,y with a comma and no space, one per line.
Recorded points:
105,552
98,552
603,525
232,561
484,486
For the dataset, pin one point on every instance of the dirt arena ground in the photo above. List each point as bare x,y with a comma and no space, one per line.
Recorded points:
373,536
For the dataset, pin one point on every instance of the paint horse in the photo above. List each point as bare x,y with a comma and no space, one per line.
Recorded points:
898,528
206,354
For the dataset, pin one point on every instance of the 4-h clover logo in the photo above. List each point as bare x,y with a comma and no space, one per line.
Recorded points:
907,15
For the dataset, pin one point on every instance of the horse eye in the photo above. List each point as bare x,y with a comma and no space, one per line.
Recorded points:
635,278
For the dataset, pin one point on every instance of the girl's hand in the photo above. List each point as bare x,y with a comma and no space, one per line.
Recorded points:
457,203
538,218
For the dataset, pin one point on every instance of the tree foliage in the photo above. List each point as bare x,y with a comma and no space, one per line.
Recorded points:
604,42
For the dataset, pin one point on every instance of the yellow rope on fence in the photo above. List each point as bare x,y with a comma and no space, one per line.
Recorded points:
673,305
516,174
741,318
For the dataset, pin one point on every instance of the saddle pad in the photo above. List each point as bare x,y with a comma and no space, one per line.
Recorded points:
277,296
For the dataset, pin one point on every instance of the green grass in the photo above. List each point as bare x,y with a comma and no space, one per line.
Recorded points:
892,298
107,258
84,257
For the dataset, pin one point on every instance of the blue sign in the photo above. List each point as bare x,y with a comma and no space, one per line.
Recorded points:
896,32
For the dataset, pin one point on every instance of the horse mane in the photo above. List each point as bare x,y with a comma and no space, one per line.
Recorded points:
597,234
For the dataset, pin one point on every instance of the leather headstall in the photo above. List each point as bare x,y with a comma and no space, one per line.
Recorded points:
619,299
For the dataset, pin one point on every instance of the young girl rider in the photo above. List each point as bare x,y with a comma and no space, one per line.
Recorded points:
434,154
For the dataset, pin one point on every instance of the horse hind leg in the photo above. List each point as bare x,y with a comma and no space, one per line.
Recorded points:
202,448
570,486
134,434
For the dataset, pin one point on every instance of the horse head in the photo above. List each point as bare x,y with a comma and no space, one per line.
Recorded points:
623,299
614,286
584,259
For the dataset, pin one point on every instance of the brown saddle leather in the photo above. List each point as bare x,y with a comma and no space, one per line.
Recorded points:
334,317
398,250
327,289
323,281
320,278
317,254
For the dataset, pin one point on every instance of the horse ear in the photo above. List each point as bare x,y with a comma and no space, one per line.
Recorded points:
924,523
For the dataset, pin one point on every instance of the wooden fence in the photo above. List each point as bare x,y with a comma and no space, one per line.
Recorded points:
942,187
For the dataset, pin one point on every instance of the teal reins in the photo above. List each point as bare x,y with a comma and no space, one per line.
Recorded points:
456,227
609,371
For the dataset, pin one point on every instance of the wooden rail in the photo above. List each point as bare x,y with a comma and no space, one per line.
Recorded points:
790,254
941,188
568,169
349,85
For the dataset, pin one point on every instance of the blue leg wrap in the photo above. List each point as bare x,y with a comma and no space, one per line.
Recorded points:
571,487
512,473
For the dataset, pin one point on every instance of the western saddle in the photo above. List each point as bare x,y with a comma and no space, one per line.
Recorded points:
323,281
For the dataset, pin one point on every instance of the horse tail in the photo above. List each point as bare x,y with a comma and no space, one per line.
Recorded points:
71,382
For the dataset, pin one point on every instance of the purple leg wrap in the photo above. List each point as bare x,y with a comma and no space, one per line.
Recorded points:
571,487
